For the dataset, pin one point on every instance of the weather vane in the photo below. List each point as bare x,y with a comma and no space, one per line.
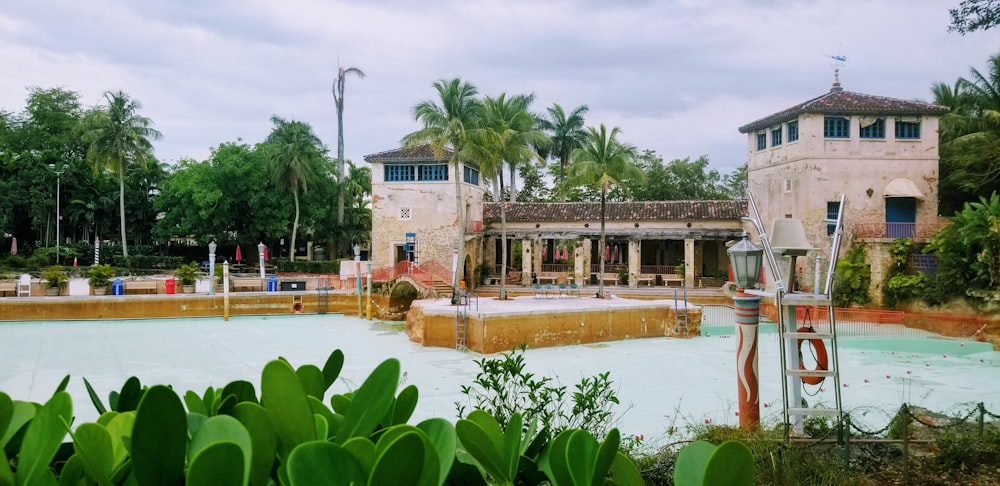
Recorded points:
838,61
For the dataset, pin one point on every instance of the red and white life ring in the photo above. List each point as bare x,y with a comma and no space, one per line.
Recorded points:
822,360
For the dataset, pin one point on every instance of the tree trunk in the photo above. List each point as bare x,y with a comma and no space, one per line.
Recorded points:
461,230
121,207
503,238
600,248
513,185
340,160
295,227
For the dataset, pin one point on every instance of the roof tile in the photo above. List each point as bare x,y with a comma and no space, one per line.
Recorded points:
617,211
418,153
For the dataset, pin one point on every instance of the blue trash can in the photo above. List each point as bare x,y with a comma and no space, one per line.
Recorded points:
117,287
272,284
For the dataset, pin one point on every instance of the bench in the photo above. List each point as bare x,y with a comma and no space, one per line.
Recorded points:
8,287
250,284
672,277
144,285
648,279
547,277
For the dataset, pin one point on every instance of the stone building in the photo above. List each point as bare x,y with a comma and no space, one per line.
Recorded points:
881,153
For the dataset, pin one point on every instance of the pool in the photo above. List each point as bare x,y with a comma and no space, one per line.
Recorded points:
666,381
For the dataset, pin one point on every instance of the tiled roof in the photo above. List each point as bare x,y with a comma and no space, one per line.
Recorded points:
420,153
840,102
617,211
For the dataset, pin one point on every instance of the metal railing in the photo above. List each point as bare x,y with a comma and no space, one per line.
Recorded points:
897,230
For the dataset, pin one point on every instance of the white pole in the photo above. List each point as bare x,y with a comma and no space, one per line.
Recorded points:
816,289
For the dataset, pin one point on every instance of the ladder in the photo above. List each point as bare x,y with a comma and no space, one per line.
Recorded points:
680,318
465,300
323,296
788,304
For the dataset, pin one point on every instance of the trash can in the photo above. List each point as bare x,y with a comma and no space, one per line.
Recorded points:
117,287
171,284
272,284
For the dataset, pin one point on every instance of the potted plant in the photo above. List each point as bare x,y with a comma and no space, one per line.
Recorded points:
219,284
188,275
623,275
55,279
100,277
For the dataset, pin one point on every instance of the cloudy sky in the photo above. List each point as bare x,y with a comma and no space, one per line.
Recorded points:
677,76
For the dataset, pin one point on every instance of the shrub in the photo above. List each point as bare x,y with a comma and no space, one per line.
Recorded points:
853,276
188,273
55,276
100,276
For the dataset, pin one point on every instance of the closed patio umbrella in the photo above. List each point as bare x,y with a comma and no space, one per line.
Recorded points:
13,246
239,254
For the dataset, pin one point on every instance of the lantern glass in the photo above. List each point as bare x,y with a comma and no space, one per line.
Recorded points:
212,246
746,258
260,248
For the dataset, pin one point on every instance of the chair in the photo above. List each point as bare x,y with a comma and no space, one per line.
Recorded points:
537,289
574,290
549,291
563,290
24,286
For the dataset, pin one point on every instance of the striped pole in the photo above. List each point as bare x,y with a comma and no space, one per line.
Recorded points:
747,318
97,250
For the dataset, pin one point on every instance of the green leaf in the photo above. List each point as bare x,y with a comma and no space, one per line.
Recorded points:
312,380
481,437
264,440
130,395
6,475
6,413
377,394
363,451
119,428
195,404
430,470
404,406
441,435
243,391
732,463
92,444
159,438
222,428
287,406
340,403
332,421
691,463
42,439
324,463
331,370
400,463
21,414
605,457
624,471
63,384
218,464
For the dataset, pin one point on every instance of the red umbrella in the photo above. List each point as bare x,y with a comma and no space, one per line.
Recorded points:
266,257
607,253
239,254
13,246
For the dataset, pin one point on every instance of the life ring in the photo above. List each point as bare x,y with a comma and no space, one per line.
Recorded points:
297,308
822,360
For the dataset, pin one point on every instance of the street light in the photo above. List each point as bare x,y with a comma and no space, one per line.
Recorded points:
211,267
260,254
62,168
746,257
357,269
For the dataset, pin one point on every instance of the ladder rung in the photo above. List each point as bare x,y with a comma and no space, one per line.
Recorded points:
813,411
810,372
808,335
806,299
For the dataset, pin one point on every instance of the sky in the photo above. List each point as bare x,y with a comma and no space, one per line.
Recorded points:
678,77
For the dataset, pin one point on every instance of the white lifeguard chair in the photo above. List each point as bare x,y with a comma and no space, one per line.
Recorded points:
24,286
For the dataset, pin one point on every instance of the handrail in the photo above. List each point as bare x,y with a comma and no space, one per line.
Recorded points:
779,279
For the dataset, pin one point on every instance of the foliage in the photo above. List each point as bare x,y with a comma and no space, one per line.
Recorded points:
328,267
852,278
503,388
338,99
188,273
567,133
703,463
898,286
973,15
680,179
55,277
968,251
100,275
289,435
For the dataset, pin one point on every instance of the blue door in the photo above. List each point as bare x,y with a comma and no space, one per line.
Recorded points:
900,217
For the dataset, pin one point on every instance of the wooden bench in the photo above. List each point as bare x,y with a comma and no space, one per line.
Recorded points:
144,285
672,277
250,284
8,287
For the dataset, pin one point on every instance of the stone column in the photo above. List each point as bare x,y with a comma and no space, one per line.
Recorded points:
688,262
581,260
634,262
526,259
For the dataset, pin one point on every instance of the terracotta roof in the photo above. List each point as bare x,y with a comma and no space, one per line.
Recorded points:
618,211
840,102
420,153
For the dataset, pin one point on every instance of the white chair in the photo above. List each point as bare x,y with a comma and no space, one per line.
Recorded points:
24,286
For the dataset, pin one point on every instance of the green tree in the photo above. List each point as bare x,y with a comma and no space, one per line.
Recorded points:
567,132
968,254
506,136
357,187
446,126
338,99
602,162
973,15
296,162
117,137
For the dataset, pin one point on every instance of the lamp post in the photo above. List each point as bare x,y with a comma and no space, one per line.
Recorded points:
369,309
211,267
746,257
62,168
357,269
260,254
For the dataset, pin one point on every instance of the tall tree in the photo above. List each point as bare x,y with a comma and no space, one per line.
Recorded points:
506,136
295,163
566,132
603,162
118,136
447,125
973,15
338,98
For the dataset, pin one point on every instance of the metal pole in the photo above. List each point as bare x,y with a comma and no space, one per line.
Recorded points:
747,319
211,272
369,288
58,173
225,290
357,263
816,288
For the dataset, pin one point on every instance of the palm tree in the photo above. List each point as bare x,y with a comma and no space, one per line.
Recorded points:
506,136
567,133
338,99
446,126
602,162
295,161
117,136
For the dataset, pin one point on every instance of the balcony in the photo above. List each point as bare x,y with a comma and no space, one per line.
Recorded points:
473,227
897,230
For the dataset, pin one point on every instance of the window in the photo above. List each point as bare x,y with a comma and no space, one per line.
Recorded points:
405,213
907,130
872,127
836,127
761,141
776,137
787,186
832,211
433,172
398,173
793,131
471,175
